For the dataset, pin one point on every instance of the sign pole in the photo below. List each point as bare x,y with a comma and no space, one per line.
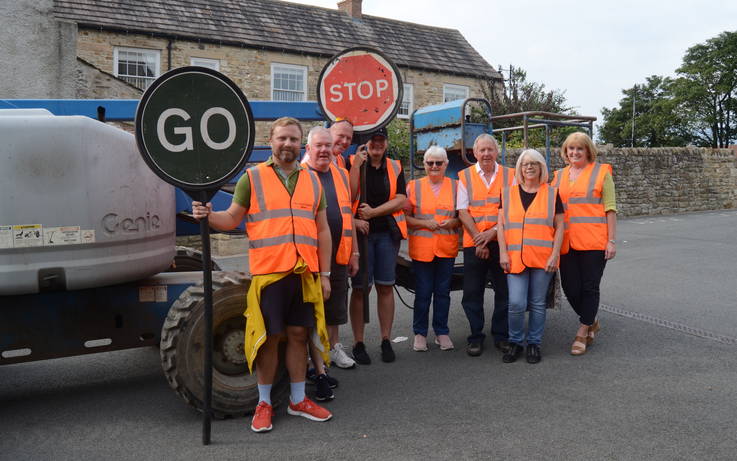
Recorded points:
205,197
194,129
364,250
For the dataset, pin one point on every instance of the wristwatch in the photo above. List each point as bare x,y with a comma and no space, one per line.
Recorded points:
612,241
325,274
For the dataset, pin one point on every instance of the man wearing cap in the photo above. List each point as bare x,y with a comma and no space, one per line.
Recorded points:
289,245
382,213
344,257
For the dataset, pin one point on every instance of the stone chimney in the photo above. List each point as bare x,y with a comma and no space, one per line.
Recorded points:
351,7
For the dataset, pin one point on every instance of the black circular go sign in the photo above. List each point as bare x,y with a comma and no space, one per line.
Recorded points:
194,128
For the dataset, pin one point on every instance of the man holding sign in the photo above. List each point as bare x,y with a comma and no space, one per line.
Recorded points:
289,244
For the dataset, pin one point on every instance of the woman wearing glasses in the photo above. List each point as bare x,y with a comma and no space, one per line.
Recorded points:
530,238
433,245
587,189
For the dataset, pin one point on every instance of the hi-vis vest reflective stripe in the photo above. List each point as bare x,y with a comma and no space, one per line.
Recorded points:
529,234
483,203
585,219
393,170
425,244
281,227
343,192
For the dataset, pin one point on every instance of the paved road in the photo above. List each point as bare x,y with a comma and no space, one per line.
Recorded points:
648,389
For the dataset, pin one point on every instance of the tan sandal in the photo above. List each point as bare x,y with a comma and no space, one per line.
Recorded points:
593,329
579,345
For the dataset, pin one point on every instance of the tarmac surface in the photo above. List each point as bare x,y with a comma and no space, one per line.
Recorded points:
660,382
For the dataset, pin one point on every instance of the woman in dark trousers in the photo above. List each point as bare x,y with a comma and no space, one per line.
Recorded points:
587,191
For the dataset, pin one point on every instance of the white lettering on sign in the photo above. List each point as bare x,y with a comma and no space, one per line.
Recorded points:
188,143
364,89
206,134
186,131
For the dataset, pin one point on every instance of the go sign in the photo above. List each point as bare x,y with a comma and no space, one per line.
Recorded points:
362,85
194,128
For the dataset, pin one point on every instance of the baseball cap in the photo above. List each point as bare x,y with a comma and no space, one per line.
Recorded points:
380,132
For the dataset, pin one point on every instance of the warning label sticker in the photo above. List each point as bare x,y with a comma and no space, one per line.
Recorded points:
146,294
28,235
6,236
69,235
87,235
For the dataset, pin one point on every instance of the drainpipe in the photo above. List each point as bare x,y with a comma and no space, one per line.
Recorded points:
168,54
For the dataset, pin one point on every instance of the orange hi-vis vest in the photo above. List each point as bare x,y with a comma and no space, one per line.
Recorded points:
529,234
282,227
483,203
340,160
343,192
585,219
425,244
393,170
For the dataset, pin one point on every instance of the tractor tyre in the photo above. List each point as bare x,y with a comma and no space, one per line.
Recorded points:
234,389
188,259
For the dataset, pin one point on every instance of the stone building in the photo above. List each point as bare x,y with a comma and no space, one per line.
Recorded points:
274,50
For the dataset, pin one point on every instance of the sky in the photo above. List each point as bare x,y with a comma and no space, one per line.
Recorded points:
592,49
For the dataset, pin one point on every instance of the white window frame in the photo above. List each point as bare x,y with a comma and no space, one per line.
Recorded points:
145,51
409,98
451,87
213,64
291,67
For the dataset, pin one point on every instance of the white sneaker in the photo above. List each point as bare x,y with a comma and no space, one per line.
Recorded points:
340,358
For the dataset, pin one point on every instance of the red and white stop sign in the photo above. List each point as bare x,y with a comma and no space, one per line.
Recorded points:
362,85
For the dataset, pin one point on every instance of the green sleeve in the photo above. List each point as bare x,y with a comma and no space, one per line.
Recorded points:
242,195
608,195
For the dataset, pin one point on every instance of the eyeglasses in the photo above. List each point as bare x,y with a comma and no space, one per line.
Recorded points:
529,165
435,163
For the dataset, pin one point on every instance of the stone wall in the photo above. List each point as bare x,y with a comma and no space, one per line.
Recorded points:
37,52
250,68
666,180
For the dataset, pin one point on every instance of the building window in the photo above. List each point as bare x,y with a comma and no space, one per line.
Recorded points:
288,82
452,92
139,67
405,110
213,64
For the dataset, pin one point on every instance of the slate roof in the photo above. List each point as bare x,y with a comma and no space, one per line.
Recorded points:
282,26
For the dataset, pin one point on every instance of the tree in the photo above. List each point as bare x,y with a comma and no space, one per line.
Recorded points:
656,119
521,95
706,91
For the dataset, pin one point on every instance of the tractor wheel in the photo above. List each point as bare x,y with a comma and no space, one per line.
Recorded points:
234,389
188,259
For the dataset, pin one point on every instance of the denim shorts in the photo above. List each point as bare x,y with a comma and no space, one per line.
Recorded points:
382,260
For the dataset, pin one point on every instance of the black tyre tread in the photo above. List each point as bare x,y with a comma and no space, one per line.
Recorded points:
176,320
190,259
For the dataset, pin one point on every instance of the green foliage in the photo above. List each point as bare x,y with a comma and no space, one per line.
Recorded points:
521,95
706,90
698,107
656,120
398,131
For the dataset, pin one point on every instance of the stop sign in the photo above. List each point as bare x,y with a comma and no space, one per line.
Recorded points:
362,85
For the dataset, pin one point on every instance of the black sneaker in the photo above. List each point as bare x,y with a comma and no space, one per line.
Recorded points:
311,376
360,355
533,353
387,353
474,349
322,389
513,353
502,346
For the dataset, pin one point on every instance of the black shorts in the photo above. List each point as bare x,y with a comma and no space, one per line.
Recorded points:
336,307
282,305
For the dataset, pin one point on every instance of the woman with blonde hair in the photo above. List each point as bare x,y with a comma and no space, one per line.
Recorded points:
530,237
433,244
587,190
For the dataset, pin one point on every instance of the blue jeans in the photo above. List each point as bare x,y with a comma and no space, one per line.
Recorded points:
527,290
381,260
474,285
432,280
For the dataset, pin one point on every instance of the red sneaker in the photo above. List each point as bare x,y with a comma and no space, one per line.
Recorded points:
309,410
262,417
